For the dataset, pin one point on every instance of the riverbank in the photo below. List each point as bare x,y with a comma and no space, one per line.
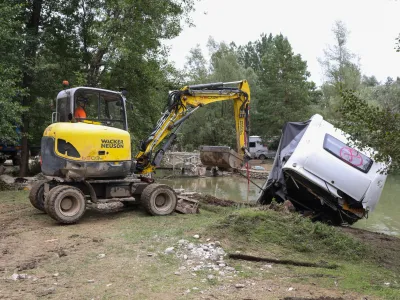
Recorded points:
130,255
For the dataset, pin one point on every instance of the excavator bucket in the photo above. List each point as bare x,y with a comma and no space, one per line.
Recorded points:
222,157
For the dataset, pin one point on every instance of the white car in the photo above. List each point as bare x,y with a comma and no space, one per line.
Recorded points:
317,170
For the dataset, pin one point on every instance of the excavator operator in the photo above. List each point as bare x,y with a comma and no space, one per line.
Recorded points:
80,112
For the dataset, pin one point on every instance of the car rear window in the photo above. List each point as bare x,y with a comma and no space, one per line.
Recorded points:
347,154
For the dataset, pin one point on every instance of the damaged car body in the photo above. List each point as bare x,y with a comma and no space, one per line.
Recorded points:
321,175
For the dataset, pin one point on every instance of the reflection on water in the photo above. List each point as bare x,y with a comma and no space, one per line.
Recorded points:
230,188
385,218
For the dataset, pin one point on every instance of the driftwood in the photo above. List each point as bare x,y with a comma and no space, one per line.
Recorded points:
283,261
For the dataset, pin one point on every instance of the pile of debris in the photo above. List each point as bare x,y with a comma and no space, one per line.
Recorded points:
206,257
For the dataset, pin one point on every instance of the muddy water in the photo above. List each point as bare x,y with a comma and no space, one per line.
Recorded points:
385,218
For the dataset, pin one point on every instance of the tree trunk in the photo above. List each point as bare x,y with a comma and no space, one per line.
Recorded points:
32,28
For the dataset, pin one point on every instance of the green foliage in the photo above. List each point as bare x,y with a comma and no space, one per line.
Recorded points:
284,92
371,126
10,91
112,44
290,231
340,70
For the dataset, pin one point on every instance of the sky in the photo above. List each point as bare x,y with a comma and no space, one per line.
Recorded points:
373,25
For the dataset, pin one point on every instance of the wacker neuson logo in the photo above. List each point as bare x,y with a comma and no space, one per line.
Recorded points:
112,143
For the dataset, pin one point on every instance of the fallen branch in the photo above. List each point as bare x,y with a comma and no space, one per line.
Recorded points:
284,261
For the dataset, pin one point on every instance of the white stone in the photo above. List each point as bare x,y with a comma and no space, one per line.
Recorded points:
169,250
14,276
222,265
196,236
239,285
290,289
217,243
102,255
55,275
185,257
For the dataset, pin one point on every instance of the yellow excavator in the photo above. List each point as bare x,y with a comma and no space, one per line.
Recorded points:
86,151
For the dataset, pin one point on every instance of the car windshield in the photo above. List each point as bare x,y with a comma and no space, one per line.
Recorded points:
99,107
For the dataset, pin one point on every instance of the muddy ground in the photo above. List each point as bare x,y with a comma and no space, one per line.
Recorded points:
121,255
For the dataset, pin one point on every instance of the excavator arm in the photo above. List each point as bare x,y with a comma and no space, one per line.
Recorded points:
181,105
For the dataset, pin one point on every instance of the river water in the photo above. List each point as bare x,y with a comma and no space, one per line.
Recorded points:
385,218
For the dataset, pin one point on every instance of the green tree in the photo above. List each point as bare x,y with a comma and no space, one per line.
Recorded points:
111,44
340,70
284,88
10,91
371,126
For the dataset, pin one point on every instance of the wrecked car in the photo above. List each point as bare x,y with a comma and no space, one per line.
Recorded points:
321,175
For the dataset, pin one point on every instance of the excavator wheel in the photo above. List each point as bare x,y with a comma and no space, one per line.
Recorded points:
65,204
159,199
36,195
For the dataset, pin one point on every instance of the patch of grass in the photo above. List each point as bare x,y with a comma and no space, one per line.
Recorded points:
292,232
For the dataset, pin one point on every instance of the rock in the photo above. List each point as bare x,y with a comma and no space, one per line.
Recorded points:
102,255
90,280
229,269
268,266
110,284
190,246
195,288
185,257
221,273
7,179
187,291
14,276
177,273
182,242
222,265
290,289
210,277
207,240
237,252
196,236
217,243
239,285
182,268
55,275
150,254
170,250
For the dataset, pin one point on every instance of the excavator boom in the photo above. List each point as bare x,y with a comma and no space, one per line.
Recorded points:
181,105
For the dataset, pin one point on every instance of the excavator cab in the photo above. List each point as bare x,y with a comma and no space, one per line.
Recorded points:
91,106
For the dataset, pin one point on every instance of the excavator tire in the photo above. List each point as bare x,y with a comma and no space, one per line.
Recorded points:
36,195
159,199
65,204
